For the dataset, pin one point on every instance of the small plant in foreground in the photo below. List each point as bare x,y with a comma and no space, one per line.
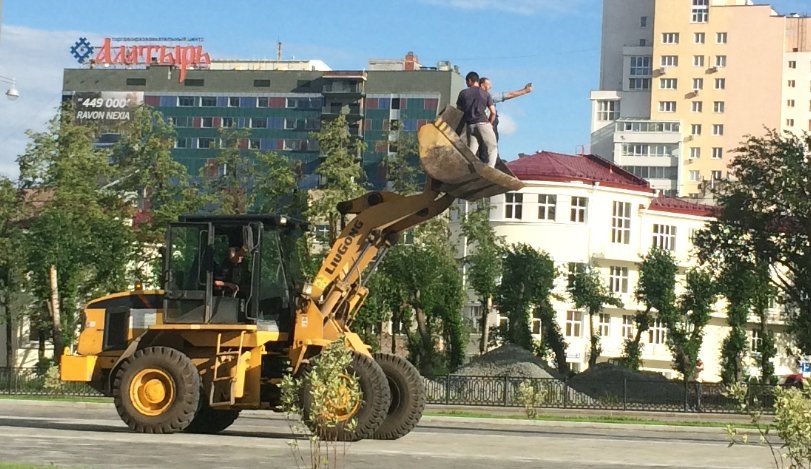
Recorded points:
792,423
531,398
333,395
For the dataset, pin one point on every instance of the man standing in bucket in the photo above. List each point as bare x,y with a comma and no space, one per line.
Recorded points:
473,101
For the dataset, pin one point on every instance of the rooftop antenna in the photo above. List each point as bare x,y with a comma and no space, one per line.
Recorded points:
278,51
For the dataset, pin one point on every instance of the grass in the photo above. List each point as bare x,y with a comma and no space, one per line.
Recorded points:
28,397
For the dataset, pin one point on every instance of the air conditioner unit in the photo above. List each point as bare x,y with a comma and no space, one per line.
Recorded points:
659,71
712,69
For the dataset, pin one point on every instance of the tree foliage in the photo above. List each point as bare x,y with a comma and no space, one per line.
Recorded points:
764,219
589,293
528,277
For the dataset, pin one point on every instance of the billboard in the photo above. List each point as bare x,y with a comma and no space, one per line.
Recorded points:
107,107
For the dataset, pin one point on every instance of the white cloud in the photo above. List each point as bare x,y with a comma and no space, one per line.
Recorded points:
521,7
35,59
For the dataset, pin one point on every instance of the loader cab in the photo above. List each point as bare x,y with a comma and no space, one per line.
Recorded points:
263,282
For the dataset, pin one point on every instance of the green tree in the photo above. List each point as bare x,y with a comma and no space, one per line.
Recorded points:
588,292
79,229
527,281
142,160
763,219
340,171
403,170
11,268
656,291
484,261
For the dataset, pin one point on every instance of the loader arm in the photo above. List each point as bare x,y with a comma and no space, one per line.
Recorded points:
338,290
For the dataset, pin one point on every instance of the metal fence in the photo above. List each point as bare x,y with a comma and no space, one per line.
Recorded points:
574,393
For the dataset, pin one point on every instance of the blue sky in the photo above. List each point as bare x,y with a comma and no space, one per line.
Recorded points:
555,44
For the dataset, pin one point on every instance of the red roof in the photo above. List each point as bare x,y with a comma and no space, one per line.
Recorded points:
675,205
591,169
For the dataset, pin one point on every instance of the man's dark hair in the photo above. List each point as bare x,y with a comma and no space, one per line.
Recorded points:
472,76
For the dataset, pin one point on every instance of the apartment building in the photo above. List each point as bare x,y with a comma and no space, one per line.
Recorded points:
278,103
682,82
583,209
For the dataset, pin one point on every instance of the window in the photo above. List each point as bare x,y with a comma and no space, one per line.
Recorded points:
717,153
546,207
668,83
604,325
720,60
228,122
205,142
657,332
695,153
618,279
643,22
789,122
640,65
643,43
621,223
698,60
792,64
718,129
695,176
575,268
755,341
512,205
700,12
698,83
664,237
262,102
639,83
183,142
578,212
259,123
254,143
792,83
718,106
535,326
208,101
186,101
180,121
136,81
261,83
721,38
574,323
667,106
699,38
207,122
720,83
628,326
608,110
790,103
670,38
233,101
697,106
715,175
695,129
670,61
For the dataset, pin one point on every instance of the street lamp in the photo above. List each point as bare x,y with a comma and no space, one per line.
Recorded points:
12,93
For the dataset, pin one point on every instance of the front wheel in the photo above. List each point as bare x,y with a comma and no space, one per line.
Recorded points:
157,390
407,397
366,417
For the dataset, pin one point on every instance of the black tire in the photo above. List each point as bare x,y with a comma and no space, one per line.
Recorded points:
407,397
210,421
373,408
157,390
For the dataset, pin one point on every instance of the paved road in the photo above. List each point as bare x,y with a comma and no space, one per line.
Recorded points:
92,436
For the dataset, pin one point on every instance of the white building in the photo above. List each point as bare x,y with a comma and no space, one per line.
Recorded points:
584,209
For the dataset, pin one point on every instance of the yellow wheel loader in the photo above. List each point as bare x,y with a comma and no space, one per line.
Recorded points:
191,356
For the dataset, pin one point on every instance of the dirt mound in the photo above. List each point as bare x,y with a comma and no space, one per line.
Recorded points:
508,360
606,381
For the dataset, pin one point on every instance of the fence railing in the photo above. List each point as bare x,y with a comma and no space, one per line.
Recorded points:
624,394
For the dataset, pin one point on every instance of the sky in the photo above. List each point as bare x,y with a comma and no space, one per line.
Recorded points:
555,44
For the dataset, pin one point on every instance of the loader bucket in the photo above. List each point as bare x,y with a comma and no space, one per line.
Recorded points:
453,168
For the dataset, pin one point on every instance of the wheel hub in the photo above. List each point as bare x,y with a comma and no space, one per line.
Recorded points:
152,391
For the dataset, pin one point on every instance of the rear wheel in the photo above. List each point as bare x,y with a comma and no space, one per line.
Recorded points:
157,390
407,397
210,421
367,416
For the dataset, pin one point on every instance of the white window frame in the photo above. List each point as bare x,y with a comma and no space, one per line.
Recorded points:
670,61
718,129
579,209
668,83
698,106
667,106
720,61
699,38
618,279
628,326
604,324
694,175
547,205
574,324
698,61
664,236
720,83
718,107
670,38
513,205
717,153
621,223
721,38
695,153
695,129
657,334
608,110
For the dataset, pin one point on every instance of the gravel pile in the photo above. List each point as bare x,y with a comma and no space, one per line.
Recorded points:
607,381
508,360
